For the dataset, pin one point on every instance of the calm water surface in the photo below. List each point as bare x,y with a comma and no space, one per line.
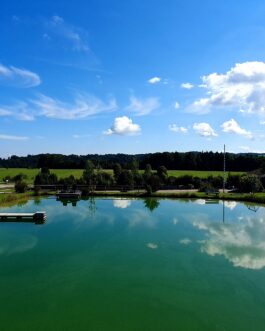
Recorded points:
134,265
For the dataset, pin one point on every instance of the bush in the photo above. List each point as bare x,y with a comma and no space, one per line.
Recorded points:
21,186
250,183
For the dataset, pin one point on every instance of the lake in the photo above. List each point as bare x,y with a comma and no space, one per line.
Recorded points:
121,264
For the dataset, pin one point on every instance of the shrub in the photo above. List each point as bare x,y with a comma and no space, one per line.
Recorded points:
250,183
21,186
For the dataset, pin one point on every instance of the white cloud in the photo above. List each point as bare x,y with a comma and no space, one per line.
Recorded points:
19,110
142,106
187,86
177,105
76,37
178,129
80,136
18,77
154,80
242,87
204,130
8,137
247,149
123,126
232,126
83,106
262,122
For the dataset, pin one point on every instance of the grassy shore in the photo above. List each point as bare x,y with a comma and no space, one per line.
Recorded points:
77,173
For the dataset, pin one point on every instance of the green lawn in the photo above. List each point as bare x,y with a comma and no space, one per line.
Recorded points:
200,174
77,173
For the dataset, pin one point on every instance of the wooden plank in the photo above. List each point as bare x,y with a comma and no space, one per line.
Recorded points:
16,214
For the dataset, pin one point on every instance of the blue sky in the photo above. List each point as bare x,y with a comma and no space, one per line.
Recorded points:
131,76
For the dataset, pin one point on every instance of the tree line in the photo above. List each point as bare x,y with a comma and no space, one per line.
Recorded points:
171,160
95,178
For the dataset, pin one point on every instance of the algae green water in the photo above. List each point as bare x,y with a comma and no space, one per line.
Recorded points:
134,265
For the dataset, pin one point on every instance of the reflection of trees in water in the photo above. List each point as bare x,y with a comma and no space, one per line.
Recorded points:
151,203
37,201
92,206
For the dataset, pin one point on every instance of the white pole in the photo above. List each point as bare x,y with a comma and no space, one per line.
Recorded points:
224,172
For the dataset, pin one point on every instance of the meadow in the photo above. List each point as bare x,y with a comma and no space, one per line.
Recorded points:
77,173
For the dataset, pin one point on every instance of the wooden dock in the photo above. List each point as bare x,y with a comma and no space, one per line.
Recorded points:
38,218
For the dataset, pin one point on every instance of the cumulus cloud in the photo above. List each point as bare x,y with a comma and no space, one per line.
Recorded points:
178,129
18,77
142,106
187,86
9,137
123,126
233,127
83,106
242,87
75,37
204,130
154,80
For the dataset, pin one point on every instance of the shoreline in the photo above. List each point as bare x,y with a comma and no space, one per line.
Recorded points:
10,199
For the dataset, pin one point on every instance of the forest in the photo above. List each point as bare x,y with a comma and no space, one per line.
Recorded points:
171,160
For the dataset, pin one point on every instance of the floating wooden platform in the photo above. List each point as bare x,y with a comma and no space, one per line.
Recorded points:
38,218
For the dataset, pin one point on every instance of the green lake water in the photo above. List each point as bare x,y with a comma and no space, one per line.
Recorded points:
111,264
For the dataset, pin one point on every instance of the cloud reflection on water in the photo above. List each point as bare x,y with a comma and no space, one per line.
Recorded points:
122,203
11,243
242,243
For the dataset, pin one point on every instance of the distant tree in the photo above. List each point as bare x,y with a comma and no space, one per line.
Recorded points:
147,172
117,169
104,178
162,173
154,182
45,171
44,177
126,178
89,173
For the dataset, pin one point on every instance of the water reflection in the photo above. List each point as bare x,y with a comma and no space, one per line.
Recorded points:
121,203
151,203
242,243
16,243
66,201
